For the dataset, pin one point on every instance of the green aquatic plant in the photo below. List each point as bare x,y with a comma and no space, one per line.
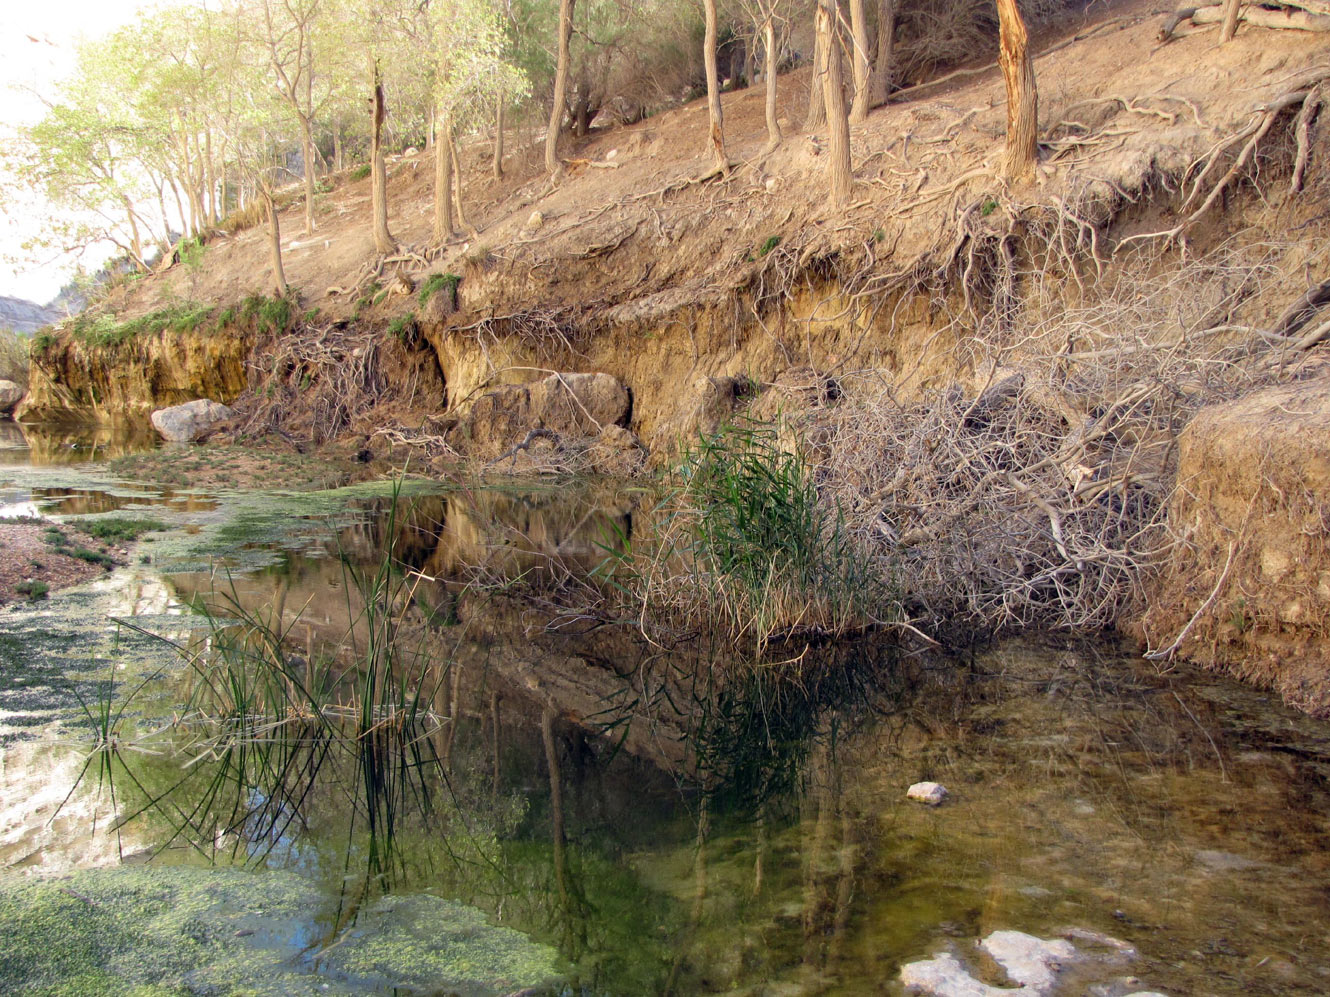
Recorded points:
118,529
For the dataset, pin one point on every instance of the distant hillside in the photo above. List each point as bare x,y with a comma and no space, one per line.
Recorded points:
25,316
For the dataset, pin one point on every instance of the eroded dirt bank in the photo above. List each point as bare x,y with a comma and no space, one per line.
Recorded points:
994,382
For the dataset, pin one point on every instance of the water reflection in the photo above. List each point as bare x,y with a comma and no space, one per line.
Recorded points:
677,821
47,444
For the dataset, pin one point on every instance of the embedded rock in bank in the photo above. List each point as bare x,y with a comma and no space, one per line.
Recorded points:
1249,589
190,421
10,395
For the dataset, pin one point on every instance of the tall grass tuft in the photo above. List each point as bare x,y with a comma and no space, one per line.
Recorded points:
750,547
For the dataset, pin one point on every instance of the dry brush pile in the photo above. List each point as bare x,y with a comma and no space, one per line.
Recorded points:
1041,498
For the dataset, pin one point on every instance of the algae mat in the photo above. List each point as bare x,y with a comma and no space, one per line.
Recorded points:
182,930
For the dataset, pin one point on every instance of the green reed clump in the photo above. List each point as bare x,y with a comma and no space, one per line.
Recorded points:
774,557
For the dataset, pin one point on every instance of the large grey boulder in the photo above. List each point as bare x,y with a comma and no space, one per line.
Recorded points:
187,422
10,395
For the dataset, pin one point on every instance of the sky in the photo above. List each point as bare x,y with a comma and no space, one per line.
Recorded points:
37,48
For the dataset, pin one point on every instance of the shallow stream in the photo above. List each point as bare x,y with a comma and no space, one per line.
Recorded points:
583,812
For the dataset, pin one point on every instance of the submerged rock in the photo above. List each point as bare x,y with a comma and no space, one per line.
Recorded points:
10,395
1034,964
186,423
931,793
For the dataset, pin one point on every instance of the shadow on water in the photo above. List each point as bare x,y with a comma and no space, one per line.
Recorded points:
674,820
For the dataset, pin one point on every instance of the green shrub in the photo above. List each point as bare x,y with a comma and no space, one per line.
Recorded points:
91,556
33,590
437,282
402,327
14,357
272,315
360,172
771,242
105,330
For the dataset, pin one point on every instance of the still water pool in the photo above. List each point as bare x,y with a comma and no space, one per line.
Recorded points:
548,803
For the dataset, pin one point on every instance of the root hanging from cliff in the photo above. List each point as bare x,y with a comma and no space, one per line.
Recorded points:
315,381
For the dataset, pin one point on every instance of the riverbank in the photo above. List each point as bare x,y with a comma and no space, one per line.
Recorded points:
40,556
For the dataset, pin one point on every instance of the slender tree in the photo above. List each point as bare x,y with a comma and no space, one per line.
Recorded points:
383,239
817,104
715,121
827,25
859,61
288,34
1022,97
879,83
1229,26
768,21
552,165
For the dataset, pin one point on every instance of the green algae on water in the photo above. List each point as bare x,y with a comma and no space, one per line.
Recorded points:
152,930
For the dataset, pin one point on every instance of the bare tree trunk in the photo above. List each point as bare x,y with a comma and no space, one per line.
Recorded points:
838,123
383,239
274,242
337,145
1022,97
457,183
771,62
498,138
307,152
1230,23
716,131
560,87
817,102
859,61
443,180
879,83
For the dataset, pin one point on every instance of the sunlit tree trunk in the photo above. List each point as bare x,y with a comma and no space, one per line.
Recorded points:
560,86
716,131
383,239
450,140
817,102
337,145
274,242
497,164
1229,26
1022,98
771,62
443,179
307,153
838,122
859,61
879,83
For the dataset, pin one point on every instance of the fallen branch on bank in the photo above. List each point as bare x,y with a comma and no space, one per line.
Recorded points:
1290,15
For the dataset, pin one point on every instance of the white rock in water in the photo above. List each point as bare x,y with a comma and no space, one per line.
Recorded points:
944,976
10,395
187,422
1032,962
931,793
